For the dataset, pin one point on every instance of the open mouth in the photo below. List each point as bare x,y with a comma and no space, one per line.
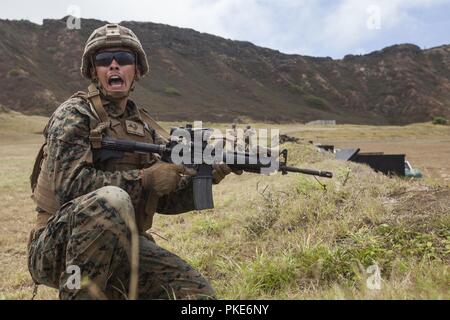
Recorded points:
115,81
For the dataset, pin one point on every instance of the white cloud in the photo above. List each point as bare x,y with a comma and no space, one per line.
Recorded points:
346,26
314,27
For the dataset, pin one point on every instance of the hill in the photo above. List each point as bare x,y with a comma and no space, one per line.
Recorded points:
200,76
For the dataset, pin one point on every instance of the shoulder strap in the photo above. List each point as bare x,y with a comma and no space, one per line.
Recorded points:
96,102
152,123
37,168
38,161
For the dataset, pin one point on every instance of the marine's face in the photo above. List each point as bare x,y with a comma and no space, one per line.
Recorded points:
115,69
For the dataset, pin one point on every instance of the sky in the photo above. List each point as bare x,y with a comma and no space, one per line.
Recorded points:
306,27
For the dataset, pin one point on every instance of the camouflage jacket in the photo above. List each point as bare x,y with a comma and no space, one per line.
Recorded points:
71,168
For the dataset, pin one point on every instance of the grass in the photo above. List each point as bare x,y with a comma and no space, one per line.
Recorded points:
316,102
14,72
285,237
171,91
440,120
312,245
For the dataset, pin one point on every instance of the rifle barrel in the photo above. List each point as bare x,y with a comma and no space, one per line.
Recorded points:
325,174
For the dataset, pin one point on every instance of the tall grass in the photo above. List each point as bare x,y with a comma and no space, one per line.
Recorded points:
289,237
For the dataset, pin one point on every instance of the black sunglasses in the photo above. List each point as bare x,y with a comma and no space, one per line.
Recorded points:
104,59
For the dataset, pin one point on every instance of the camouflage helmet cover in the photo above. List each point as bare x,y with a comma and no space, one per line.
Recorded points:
109,36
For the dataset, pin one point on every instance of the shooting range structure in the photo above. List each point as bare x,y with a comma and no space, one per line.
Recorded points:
323,147
321,123
389,164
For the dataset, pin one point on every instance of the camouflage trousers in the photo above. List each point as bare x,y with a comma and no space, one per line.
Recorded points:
91,233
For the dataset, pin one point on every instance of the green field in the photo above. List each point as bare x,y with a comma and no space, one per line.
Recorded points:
283,237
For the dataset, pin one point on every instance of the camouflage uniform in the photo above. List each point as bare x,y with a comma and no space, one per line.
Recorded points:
250,145
91,229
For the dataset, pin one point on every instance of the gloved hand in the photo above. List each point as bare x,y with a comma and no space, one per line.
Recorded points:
163,177
220,170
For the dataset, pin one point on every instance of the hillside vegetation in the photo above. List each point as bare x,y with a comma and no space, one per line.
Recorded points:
200,76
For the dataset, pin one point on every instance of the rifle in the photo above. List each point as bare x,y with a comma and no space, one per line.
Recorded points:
187,153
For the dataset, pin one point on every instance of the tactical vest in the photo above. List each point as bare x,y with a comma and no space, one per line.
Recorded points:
141,129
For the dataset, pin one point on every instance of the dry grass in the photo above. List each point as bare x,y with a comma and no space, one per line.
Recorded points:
17,210
291,240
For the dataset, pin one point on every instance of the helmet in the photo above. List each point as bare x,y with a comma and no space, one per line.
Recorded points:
108,36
